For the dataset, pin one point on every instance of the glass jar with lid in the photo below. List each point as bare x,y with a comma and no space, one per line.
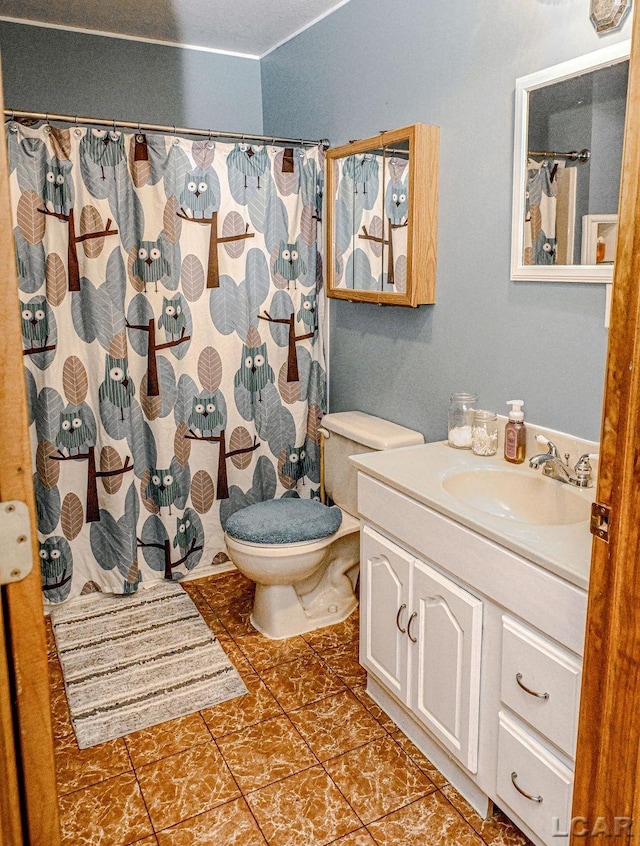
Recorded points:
460,419
484,433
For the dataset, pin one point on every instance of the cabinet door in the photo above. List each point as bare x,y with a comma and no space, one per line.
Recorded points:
444,667
384,596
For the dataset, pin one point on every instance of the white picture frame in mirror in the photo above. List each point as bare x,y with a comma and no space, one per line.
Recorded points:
520,271
599,237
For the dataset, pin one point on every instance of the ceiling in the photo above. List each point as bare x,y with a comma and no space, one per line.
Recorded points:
246,27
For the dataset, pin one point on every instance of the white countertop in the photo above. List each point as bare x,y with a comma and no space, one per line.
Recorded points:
419,471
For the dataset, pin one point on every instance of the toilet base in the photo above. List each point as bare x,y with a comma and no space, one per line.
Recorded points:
278,613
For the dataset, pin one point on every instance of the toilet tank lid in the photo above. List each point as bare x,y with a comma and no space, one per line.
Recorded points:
370,431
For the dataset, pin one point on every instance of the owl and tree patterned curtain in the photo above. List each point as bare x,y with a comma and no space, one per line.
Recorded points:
371,219
541,193
170,296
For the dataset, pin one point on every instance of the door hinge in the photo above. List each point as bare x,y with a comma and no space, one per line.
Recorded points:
600,516
16,559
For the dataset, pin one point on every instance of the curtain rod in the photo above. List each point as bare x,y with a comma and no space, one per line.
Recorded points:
14,114
581,156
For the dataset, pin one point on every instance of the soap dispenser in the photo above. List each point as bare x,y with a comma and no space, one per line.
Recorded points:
515,435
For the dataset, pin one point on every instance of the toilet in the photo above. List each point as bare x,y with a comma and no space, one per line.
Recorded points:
303,555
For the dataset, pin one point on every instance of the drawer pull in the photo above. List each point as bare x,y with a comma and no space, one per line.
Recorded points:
514,776
400,610
528,690
411,619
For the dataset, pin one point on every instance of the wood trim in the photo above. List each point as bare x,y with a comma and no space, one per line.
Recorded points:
364,145
10,821
606,786
28,661
369,297
424,196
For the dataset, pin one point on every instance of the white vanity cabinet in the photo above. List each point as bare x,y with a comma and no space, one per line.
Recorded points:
421,636
475,652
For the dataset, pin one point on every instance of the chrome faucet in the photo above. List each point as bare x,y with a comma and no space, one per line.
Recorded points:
555,467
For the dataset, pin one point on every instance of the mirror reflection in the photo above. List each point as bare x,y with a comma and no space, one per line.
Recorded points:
372,219
575,135
569,129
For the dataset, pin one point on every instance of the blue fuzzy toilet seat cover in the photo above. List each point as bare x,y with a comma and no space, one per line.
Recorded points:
280,521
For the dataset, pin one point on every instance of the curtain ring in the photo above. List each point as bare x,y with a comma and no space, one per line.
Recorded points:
76,120
174,129
46,117
138,126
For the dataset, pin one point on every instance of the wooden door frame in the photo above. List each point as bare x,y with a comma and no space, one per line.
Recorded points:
29,810
607,792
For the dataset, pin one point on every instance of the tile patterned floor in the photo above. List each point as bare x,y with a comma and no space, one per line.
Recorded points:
306,758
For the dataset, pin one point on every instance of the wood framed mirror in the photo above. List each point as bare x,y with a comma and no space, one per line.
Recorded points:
382,198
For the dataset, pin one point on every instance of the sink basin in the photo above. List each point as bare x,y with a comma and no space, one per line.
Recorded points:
520,497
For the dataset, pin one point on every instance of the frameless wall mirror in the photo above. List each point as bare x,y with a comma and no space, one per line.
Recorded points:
382,197
567,163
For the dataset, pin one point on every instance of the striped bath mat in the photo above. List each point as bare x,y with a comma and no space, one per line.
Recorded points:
130,662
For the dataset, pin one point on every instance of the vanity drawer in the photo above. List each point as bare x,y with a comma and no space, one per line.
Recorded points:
535,784
552,677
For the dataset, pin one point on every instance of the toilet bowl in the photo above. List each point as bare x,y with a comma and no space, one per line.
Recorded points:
302,555
300,586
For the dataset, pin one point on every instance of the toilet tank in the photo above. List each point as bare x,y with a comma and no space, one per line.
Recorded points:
353,433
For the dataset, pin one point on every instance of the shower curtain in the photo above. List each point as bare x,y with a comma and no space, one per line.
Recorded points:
170,301
541,193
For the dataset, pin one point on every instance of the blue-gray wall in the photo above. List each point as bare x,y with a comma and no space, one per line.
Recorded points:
607,137
373,66
52,70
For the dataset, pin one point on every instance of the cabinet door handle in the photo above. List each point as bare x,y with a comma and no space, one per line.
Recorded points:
400,610
411,619
528,690
514,776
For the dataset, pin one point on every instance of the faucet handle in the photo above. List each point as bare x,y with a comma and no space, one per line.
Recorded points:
583,468
553,449
586,457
